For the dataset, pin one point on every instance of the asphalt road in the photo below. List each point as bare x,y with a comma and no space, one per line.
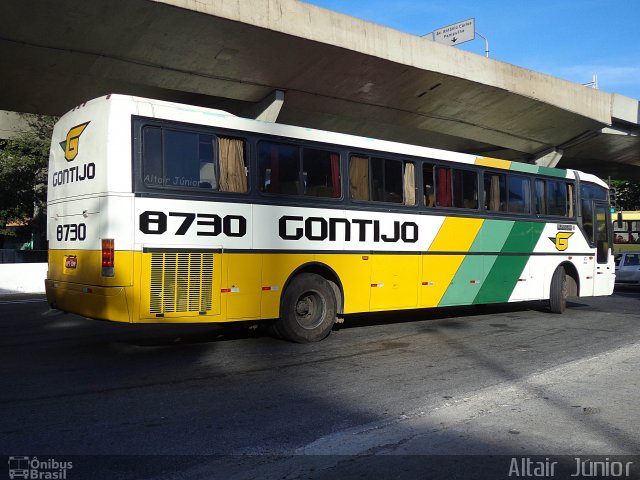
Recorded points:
72,386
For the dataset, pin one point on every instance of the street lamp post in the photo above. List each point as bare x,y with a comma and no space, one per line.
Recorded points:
486,44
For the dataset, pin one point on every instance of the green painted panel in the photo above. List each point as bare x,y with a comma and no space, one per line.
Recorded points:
462,291
492,236
497,275
524,167
523,237
552,172
503,274
502,279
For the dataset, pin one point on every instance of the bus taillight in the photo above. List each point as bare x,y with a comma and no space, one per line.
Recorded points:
108,254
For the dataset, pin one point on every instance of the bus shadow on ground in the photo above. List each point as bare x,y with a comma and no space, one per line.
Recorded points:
449,314
190,334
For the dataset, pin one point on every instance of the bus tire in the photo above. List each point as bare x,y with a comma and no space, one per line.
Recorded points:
307,309
558,291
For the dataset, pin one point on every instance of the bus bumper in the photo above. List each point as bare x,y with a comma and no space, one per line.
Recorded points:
100,303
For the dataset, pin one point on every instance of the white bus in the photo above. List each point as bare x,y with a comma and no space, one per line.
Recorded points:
160,212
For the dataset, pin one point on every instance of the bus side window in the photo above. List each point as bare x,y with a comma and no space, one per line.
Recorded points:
519,194
321,173
386,180
183,153
557,199
152,156
429,196
465,189
208,175
279,168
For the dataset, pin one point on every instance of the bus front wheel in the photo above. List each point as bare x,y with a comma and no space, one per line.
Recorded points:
308,309
558,293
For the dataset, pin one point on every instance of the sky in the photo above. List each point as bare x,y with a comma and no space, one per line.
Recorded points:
569,39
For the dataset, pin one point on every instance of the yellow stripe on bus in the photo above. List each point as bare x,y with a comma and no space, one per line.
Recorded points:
493,162
455,235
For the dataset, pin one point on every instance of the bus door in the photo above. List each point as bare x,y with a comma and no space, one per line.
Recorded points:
603,270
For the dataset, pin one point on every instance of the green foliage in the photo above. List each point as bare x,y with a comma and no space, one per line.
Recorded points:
627,194
23,175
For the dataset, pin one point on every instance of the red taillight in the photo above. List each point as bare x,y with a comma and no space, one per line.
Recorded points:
108,255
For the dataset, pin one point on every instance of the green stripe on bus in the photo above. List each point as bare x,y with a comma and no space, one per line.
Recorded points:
467,281
524,167
552,172
506,270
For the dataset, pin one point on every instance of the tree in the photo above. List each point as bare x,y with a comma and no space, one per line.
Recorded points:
23,176
627,194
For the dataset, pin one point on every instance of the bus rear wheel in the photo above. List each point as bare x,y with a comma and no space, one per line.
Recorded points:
308,309
558,291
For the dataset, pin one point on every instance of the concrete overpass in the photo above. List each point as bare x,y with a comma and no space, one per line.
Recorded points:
336,73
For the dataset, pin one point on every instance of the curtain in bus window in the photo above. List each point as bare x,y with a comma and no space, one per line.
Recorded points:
540,198
493,192
571,199
359,178
233,177
443,187
409,184
527,195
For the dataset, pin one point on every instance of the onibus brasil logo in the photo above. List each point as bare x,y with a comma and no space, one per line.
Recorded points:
32,468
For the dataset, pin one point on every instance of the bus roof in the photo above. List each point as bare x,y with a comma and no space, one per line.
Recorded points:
208,116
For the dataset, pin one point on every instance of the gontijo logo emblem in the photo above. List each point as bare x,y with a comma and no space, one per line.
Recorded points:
71,144
561,240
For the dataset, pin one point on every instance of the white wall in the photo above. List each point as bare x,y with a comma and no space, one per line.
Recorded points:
22,277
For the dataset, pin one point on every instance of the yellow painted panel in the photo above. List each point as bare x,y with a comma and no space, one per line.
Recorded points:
276,269
101,303
437,274
493,162
456,234
88,269
354,272
396,280
244,278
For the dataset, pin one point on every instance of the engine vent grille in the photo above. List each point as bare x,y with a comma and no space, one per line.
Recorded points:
181,282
